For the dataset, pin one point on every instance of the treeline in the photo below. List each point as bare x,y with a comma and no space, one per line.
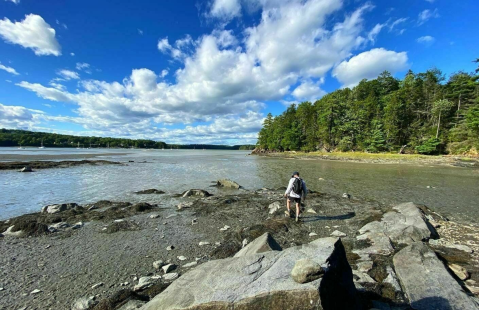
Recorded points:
423,113
13,138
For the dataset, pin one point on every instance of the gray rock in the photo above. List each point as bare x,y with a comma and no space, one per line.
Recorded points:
338,233
261,244
202,243
58,226
306,270
35,291
149,192
154,216
170,248
392,279
263,281
444,243
158,264
405,226
94,286
189,265
181,258
52,209
275,207
185,205
83,303
228,184
132,304
143,283
10,232
77,225
426,282
195,192
26,169
168,268
170,276
362,277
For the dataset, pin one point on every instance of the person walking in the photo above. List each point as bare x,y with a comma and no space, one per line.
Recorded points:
294,192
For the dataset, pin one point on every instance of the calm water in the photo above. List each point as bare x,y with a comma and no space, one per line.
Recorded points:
453,191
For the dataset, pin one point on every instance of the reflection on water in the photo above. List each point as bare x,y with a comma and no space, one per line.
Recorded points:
452,191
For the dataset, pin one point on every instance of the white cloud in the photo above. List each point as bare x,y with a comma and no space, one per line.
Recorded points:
225,9
72,54
369,65
83,66
427,40
140,32
17,117
33,32
46,92
164,73
426,15
375,31
397,22
9,69
68,74
14,1
308,90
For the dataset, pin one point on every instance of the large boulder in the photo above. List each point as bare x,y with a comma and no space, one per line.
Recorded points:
426,282
261,244
228,184
405,225
263,281
57,208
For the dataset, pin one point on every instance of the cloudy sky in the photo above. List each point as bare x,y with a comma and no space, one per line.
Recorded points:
185,71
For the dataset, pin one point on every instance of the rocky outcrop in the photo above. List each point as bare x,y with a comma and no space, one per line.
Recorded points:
228,184
150,191
263,281
426,281
196,192
405,225
261,244
52,209
26,169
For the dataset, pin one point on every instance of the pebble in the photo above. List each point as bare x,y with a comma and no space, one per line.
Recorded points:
97,285
154,216
182,258
202,243
168,268
311,211
217,243
158,264
77,225
48,246
124,284
226,227
194,221
338,233
313,234
119,221
169,248
346,195
143,283
1,289
244,243
189,265
36,291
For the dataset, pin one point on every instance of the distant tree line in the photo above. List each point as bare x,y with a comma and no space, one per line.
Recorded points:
13,137
422,113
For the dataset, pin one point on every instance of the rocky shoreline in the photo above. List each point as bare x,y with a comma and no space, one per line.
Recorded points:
118,255
449,160
46,164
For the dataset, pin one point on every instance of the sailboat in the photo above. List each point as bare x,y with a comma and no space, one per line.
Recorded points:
42,147
20,147
78,146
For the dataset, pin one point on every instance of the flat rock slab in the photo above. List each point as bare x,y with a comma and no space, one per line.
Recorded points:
426,282
263,281
261,244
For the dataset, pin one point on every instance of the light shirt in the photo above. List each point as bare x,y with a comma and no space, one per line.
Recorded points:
291,193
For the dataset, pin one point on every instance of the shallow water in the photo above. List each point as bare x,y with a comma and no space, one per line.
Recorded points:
452,191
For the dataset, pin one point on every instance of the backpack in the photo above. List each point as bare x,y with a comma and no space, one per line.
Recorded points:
298,186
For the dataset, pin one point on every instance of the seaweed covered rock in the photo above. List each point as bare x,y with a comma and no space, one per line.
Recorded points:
263,281
226,183
195,192
57,208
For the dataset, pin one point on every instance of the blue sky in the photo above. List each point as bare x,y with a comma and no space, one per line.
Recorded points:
209,71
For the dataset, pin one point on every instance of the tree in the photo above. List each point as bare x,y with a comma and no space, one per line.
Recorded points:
440,108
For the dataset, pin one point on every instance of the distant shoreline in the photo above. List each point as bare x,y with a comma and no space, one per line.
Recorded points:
379,158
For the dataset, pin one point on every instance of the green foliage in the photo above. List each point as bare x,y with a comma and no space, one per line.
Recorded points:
429,146
422,111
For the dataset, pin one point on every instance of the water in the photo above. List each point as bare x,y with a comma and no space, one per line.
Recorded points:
452,191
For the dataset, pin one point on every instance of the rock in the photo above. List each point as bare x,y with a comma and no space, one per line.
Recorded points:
311,211
77,225
460,272
472,287
83,303
392,279
185,205
338,233
228,184
52,209
202,243
365,266
244,243
154,216
275,207
313,234
1,289
460,247
263,281
158,264
26,169
132,304
346,195
94,286
261,244
170,276
150,191
426,282
168,268
170,248
195,192
194,221
182,258
143,283
57,226
35,291
225,228
189,265
362,277
306,270
405,226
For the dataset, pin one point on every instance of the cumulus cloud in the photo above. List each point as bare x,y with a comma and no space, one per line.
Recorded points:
8,69
369,65
18,117
426,40
225,75
32,32
426,15
225,9
68,74
14,1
